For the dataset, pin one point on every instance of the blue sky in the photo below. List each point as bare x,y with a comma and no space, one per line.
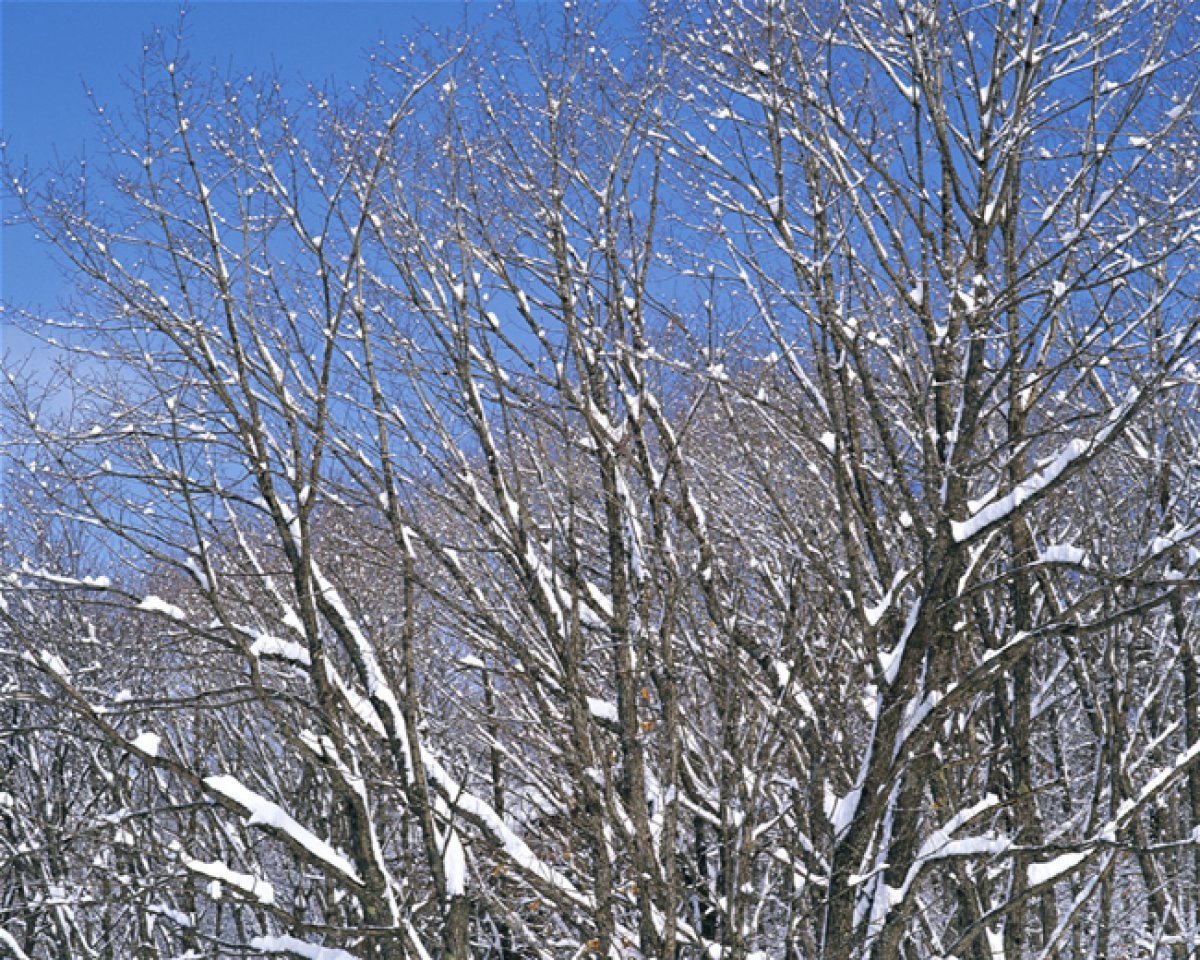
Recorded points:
53,51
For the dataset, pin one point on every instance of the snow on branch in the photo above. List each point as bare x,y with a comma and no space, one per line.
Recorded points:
1075,451
940,845
1154,786
8,941
1051,871
263,812
299,948
247,883
481,813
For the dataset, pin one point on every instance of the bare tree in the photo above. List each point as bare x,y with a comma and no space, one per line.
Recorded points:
950,226
717,488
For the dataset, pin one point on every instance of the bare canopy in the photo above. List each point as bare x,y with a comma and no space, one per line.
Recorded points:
719,487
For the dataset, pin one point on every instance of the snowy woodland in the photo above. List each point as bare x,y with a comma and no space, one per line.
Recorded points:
717,480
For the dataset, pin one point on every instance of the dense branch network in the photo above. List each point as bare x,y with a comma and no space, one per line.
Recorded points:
718,487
